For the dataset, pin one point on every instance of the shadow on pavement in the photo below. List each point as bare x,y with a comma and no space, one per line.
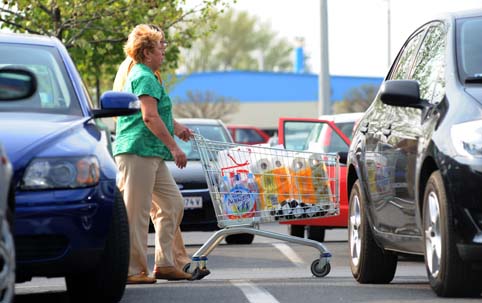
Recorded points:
52,297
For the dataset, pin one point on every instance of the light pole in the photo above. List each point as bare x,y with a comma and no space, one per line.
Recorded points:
324,102
389,38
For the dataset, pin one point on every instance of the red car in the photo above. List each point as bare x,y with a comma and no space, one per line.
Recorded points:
329,134
248,134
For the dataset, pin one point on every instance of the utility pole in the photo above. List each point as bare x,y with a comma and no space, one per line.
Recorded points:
324,102
389,38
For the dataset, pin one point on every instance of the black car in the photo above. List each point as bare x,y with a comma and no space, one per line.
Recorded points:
199,213
415,162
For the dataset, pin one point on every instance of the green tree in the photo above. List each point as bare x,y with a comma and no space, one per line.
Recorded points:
94,31
357,99
240,42
205,104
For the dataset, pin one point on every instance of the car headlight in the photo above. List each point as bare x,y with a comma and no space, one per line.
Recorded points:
45,173
467,138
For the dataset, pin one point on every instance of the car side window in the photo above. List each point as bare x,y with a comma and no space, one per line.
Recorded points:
429,65
404,62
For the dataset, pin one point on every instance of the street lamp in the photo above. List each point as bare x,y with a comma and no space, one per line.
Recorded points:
389,39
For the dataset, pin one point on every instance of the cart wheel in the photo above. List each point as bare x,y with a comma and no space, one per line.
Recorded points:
320,272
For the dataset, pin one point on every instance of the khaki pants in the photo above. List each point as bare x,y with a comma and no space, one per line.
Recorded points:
149,189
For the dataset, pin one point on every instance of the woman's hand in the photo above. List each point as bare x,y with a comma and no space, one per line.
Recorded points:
179,157
182,131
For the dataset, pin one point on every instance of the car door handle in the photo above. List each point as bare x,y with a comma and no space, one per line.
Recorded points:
364,127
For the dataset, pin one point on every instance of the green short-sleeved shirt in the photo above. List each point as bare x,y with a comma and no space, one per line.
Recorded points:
132,135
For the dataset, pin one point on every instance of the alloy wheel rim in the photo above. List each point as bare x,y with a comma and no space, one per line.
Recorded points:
354,232
433,236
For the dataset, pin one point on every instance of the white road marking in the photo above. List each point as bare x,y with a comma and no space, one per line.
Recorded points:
289,253
253,293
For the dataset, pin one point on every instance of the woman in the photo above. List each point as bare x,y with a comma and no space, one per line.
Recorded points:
143,142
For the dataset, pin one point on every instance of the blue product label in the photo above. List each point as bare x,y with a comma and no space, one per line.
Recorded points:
239,202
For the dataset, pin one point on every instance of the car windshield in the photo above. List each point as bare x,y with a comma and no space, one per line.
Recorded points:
55,93
210,132
469,46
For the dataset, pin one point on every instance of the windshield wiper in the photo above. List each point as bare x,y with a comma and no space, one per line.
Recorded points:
477,78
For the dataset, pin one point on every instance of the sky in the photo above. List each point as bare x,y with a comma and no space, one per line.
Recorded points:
357,29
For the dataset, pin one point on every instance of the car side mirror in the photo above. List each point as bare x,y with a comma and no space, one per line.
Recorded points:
117,104
16,84
404,93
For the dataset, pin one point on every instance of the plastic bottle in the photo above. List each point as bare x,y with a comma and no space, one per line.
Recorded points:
224,190
240,202
254,190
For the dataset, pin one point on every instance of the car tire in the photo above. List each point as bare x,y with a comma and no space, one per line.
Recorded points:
107,281
7,255
448,274
296,230
316,233
368,262
239,239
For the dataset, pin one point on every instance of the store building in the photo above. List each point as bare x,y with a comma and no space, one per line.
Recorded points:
266,96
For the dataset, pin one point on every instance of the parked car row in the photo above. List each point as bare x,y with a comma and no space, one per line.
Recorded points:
409,180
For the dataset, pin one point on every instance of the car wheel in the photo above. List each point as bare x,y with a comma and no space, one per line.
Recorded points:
7,268
296,230
448,275
316,233
368,262
239,239
106,283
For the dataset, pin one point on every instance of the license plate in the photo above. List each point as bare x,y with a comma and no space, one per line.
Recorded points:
193,202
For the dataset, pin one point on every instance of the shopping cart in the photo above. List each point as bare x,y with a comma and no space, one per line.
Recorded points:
250,185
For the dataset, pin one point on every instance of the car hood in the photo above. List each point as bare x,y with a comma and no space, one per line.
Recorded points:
190,177
475,92
27,134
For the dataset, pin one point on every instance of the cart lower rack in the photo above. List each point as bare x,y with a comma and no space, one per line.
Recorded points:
251,185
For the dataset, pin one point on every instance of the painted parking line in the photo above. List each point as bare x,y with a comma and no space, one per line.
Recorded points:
289,253
253,293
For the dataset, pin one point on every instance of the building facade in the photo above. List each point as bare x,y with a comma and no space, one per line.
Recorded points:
265,96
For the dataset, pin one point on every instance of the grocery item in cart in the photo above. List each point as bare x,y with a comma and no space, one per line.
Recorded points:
320,178
282,179
302,178
267,187
238,201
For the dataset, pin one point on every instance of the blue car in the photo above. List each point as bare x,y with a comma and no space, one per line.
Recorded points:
70,219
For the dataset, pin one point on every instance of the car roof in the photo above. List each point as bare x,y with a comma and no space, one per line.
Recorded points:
28,39
340,118
466,13
202,121
242,126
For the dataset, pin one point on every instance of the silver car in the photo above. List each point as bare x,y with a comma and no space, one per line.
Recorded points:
14,85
